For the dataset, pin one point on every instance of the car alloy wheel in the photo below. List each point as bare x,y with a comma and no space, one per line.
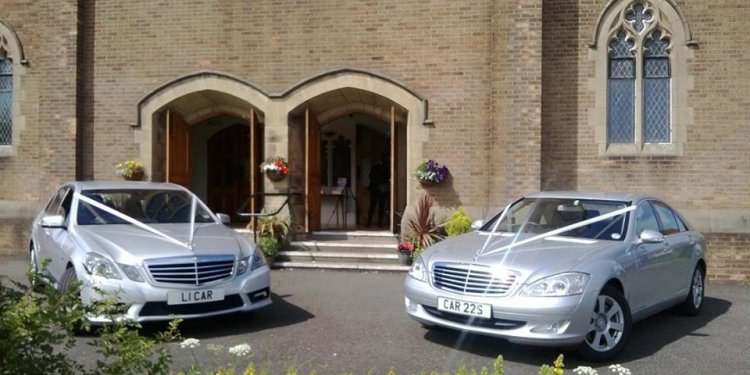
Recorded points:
694,300
609,327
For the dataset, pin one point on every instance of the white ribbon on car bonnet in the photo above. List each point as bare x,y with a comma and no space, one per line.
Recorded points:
140,224
550,233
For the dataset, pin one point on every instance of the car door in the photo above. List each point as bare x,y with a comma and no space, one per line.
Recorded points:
52,240
680,242
649,258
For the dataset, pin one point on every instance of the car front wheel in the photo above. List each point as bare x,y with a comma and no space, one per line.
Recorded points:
609,327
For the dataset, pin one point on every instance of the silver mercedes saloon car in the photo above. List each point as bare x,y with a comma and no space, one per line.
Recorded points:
562,269
154,246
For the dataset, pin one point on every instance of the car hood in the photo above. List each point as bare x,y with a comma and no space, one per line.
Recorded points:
539,258
130,244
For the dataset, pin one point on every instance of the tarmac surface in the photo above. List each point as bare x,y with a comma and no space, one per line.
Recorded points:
337,322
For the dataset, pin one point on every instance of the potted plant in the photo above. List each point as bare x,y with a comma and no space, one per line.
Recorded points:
130,170
430,173
275,168
405,252
273,231
422,227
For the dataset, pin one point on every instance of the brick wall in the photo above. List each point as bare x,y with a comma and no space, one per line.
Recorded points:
728,257
439,49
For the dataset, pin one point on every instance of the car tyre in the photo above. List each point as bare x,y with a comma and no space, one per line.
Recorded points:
34,266
66,280
609,327
694,300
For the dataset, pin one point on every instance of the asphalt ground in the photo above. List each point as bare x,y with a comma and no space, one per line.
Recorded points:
354,322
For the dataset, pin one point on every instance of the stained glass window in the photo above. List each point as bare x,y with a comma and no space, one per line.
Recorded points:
621,91
6,100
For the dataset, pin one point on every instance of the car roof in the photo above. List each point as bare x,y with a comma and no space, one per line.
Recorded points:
137,185
610,196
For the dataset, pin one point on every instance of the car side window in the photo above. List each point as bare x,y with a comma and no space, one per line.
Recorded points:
645,218
667,218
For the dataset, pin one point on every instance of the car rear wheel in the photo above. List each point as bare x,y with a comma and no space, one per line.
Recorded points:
694,301
609,327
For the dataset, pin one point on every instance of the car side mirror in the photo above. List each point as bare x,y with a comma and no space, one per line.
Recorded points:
476,224
224,218
651,236
53,221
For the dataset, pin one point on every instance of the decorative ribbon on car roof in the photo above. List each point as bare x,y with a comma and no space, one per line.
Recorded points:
140,224
548,234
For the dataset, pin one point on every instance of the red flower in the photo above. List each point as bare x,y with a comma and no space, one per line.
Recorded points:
405,246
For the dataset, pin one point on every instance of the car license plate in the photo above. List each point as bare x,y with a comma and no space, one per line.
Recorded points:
464,308
185,297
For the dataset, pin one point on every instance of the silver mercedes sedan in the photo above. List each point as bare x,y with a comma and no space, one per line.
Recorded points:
154,246
562,269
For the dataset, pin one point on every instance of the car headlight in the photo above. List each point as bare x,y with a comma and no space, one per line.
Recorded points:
131,272
99,265
418,270
256,261
564,284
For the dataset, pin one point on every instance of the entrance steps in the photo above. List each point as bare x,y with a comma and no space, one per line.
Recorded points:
353,250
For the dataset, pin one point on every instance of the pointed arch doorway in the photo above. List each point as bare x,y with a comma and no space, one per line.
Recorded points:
353,147
217,156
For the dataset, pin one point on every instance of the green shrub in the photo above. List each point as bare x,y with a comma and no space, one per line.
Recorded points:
37,326
459,223
269,245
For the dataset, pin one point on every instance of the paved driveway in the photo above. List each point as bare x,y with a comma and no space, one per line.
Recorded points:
336,322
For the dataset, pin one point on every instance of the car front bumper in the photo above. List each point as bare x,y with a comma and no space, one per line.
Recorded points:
545,321
148,302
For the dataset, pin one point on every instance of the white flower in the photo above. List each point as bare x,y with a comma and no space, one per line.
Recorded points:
190,343
585,370
240,350
618,369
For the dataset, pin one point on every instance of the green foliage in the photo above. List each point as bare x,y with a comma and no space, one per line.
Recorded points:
459,223
37,325
499,365
269,245
556,369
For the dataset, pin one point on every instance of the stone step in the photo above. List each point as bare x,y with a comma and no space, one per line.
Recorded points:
343,266
338,257
341,246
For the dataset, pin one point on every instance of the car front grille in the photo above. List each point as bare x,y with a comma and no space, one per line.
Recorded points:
195,270
465,278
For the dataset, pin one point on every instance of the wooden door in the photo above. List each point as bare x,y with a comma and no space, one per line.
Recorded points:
228,161
256,158
178,150
312,167
394,168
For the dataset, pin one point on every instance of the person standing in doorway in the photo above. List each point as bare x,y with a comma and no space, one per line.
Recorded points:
379,189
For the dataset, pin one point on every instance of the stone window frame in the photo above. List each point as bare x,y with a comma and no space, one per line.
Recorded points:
667,17
13,49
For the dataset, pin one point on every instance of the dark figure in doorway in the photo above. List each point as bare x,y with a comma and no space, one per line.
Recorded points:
379,189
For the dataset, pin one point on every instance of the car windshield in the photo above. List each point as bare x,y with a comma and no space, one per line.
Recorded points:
145,205
542,215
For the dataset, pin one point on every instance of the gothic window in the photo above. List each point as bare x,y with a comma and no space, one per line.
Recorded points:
6,98
636,66
12,70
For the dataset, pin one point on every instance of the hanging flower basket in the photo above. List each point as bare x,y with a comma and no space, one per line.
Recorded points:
431,173
275,168
130,170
